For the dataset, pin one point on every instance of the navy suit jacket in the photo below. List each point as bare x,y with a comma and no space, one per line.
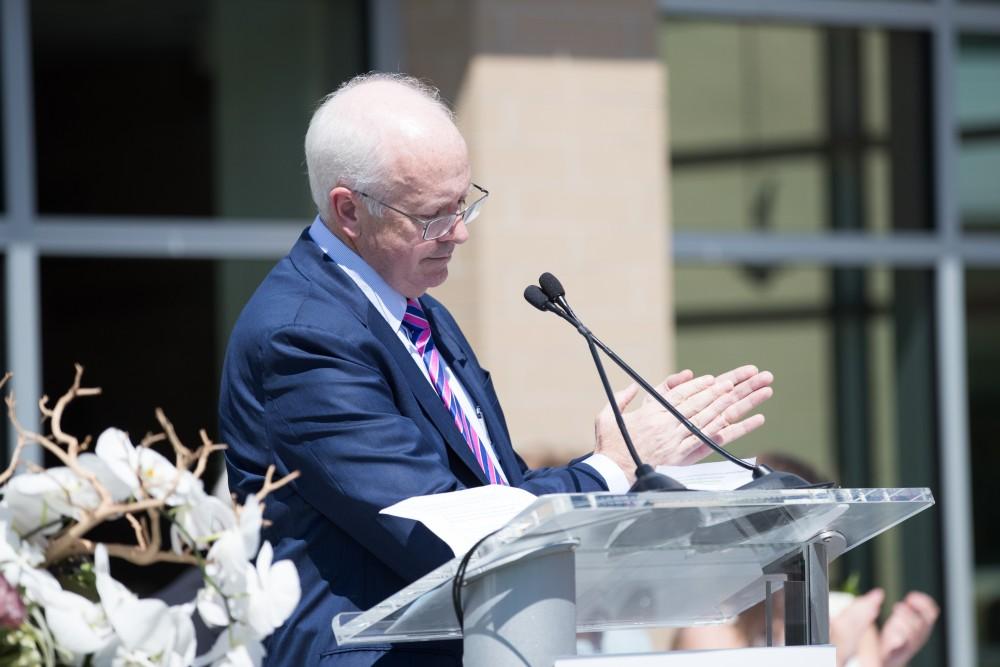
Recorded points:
316,381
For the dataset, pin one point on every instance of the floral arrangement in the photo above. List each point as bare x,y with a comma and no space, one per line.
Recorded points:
59,604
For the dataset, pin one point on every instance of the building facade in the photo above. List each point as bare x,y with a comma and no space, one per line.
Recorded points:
810,185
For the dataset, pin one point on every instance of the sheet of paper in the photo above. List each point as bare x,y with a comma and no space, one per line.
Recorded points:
716,476
461,518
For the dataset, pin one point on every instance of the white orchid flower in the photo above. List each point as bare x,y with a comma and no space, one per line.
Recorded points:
122,657
36,500
148,631
141,467
251,521
227,559
12,548
261,596
212,608
20,561
235,647
250,654
273,592
78,625
201,521
228,567
93,463
117,451
176,632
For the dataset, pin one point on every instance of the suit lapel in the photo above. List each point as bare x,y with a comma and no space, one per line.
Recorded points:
454,354
429,400
312,261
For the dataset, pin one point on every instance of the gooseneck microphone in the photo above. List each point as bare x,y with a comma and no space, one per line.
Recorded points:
551,297
646,478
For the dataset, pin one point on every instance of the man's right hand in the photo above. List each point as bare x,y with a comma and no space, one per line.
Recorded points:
716,405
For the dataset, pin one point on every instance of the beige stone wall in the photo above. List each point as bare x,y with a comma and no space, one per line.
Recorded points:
561,102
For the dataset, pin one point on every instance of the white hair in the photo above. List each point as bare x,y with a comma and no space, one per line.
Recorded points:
344,145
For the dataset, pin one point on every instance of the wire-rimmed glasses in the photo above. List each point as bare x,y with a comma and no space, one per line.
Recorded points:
435,228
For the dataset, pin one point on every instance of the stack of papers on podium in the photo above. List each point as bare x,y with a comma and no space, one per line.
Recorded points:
462,518
716,476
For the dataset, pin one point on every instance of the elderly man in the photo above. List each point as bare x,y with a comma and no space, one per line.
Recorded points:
342,367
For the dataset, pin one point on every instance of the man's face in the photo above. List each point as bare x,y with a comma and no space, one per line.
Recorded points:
425,184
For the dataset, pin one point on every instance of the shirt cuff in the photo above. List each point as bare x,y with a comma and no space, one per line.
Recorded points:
613,476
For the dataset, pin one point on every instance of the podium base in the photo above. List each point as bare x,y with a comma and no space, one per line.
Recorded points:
523,615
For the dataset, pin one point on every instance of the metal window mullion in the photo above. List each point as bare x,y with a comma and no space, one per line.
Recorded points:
976,18
18,127
956,501
883,13
160,237
833,249
387,36
895,15
22,281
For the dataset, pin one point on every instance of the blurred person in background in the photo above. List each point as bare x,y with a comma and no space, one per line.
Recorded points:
853,619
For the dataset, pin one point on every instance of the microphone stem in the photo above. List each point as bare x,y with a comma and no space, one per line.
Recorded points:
611,397
711,444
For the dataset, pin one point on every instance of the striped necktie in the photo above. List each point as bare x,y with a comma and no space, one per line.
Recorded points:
418,329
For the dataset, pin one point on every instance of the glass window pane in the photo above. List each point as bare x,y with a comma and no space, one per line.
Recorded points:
983,331
184,107
852,354
978,110
787,128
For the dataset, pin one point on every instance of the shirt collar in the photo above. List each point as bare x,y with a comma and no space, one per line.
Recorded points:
387,301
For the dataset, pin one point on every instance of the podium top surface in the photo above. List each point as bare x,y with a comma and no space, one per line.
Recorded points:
669,558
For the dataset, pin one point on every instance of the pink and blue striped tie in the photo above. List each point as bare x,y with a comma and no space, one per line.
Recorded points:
418,329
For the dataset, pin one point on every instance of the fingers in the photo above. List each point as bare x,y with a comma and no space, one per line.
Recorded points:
739,429
675,380
696,450
924,605
729,407
740,374
848,627
735,412
689,388
672,381
607,438
622,398
902,631
907,628
717,402
724,417
861,612
708,402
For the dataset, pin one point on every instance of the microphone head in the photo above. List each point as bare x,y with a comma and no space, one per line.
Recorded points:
536,297
551,286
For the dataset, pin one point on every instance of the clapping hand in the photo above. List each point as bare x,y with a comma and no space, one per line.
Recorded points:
715,404
907,628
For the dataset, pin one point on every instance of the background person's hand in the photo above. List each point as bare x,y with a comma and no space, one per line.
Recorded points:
714,404
907,628
850,625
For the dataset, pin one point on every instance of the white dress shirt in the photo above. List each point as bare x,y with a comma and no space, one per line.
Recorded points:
392,306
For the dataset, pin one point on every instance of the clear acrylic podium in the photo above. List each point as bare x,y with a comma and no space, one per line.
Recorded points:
600,561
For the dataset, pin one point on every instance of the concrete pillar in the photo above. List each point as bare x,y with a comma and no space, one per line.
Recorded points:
562,103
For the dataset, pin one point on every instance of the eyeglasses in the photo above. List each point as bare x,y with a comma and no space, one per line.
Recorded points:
435,228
